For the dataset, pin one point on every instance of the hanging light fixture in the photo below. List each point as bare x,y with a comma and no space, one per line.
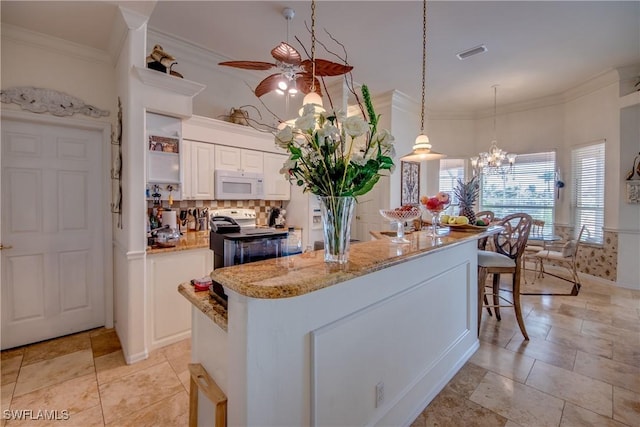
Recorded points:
422,146
496,161
313,97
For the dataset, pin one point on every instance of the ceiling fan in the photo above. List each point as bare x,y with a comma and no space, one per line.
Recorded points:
293,74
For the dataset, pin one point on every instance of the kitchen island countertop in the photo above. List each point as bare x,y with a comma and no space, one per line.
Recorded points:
300,274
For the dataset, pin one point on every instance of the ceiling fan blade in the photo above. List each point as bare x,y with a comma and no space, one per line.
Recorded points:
284,52
303,83
326,68
267,85
248,65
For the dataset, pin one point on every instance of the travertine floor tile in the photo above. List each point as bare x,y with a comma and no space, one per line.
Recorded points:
572,387
579,341
172,411
74,396
626,406
599,330
520,403
113,366
5,396
504,362
607,370
10,369
53,371
626,353
448,408
178,349
555,319
547,351
105,343
142,388
180,365
57,347
11,353
575,416
496,333
467,379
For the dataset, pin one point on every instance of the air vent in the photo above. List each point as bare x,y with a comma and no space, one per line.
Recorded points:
470,52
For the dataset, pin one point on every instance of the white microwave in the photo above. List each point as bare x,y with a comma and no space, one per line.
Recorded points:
234,185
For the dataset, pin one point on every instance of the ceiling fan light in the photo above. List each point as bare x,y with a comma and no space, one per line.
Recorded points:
314,99
282,85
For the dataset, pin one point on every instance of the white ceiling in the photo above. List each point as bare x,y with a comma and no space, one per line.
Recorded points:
535,48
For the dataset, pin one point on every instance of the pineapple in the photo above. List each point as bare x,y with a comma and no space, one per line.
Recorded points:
467,194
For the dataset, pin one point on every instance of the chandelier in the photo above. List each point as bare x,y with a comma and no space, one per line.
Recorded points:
422,147
496,161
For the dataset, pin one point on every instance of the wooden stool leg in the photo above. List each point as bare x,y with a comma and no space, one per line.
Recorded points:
516,304
200,380
496,295
482,277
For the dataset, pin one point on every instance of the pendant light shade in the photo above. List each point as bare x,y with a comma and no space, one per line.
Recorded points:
422,147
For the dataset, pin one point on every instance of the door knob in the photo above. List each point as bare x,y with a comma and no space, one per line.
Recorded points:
5,247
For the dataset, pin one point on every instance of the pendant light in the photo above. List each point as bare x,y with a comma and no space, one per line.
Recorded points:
422,146
313,97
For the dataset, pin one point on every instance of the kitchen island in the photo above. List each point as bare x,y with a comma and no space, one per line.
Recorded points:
371,342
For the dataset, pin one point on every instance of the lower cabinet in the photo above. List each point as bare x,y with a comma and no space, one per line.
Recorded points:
168,318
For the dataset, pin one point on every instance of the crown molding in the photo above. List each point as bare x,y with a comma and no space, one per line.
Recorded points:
599,81
64,47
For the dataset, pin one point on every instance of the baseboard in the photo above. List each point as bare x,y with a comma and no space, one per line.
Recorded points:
133,358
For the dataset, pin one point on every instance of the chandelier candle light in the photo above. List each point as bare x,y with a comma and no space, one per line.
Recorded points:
496,161
422,147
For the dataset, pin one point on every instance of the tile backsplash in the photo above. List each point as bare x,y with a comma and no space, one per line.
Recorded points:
261,207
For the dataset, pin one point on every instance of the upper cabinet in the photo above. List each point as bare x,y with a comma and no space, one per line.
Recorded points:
198,165
238,159
276,187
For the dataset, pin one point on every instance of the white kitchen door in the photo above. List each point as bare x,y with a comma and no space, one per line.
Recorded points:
52,267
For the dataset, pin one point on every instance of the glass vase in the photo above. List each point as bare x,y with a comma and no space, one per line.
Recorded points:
337,213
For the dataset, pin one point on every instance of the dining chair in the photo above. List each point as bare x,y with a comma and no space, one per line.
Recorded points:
507,258
487,217
563,255
531,249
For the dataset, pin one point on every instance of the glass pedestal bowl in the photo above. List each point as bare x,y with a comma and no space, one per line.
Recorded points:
435,218
400,216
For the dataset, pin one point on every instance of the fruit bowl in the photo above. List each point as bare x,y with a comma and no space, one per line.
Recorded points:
435,205
401,215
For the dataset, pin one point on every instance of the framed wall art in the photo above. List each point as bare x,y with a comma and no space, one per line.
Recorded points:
410,191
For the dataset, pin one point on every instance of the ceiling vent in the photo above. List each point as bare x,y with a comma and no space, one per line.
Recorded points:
470,52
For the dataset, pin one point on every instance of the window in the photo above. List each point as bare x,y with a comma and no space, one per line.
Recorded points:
450,171
530,189
587,199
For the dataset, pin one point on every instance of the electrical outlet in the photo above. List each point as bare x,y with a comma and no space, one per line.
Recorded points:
379,394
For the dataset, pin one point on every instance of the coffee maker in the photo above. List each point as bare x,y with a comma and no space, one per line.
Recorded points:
277,217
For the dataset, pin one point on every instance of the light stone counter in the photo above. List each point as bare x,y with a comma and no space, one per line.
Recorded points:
300,274
189,240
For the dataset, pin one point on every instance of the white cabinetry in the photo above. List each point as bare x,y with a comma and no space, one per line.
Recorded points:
198,165
276,187
238,159
168,313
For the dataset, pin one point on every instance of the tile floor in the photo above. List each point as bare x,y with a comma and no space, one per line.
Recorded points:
580,368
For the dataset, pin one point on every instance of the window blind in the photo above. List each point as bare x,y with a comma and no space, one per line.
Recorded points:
587,178
450,171
530,189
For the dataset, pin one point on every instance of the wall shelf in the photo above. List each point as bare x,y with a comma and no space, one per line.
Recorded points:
630,100
168,82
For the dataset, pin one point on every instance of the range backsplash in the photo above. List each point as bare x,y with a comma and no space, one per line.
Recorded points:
262,207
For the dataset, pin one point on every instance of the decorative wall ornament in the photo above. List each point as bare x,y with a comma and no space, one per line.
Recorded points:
410,190
116,170
633,191
40,100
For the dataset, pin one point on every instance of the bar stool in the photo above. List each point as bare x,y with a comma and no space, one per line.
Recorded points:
507,258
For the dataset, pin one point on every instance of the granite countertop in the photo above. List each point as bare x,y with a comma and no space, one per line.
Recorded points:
204,303
189,240
307,272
